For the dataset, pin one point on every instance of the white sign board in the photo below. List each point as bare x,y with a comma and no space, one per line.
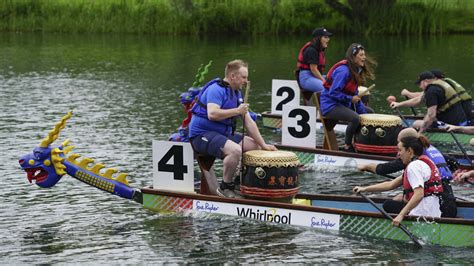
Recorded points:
324,221
299,126
173,166
284,92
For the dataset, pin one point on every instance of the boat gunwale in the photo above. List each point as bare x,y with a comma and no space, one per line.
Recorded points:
318,150
272,115
429,130
289,206
355,155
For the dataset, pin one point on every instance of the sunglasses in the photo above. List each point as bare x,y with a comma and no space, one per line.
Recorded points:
357,48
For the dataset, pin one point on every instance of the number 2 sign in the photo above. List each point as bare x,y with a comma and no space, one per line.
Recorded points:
284,92
173,166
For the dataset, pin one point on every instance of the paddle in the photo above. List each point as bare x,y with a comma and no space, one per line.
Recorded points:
461,147
402,117
443,126
246,98
391,99
366,92
411,107
404,229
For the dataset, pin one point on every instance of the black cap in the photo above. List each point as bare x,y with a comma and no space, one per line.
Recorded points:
321,32
424,75
438,73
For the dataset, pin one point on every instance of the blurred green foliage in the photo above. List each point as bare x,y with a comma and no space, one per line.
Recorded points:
195,17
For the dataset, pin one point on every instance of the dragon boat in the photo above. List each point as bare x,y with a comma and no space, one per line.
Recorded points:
320,158
47,164
436,136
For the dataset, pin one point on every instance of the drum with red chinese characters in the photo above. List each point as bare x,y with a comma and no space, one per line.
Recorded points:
378,134
270,175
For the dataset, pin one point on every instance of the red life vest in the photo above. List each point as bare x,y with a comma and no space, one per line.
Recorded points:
300,64
351,86
432,186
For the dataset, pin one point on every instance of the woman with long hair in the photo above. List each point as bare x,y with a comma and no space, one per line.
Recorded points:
340,100
312,61
421,182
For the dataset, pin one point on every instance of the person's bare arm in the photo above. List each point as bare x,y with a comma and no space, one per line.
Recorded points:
370,167
429,118
315,71
467,175
408,103
410,94
384,186
418,195
466,129
215,113
254,133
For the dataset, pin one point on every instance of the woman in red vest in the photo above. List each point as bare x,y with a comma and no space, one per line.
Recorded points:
312,61
421,182
340,100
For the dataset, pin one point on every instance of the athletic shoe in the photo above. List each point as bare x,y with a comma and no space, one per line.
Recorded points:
350,149
228,193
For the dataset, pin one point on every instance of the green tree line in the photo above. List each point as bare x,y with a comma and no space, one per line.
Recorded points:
195,17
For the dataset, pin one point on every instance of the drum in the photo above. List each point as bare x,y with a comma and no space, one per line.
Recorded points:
378,134
270,175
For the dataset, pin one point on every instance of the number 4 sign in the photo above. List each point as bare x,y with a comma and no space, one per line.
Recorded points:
173,166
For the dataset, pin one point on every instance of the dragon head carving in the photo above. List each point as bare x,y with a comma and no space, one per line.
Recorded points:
44,165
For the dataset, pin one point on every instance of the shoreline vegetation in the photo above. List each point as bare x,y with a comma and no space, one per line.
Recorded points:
225,17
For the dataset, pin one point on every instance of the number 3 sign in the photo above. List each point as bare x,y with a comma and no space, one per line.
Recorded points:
299,126
173,166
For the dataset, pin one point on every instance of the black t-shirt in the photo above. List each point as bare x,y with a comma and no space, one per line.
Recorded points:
389,167
434,95
397,165
311,56
468,109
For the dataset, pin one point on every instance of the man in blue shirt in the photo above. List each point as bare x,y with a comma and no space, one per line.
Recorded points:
212,127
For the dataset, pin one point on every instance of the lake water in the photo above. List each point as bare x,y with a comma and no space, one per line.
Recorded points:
123,91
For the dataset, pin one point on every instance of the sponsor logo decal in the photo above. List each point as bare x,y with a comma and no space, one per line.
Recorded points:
206,207
321,223
325,159
269,215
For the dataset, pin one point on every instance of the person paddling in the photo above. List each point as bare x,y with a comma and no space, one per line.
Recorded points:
340,100
441,100
421,182
466,99
448,200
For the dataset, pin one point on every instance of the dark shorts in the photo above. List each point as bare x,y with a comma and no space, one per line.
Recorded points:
212,143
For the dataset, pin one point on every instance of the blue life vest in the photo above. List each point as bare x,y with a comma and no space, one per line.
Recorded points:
233,100
438,158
